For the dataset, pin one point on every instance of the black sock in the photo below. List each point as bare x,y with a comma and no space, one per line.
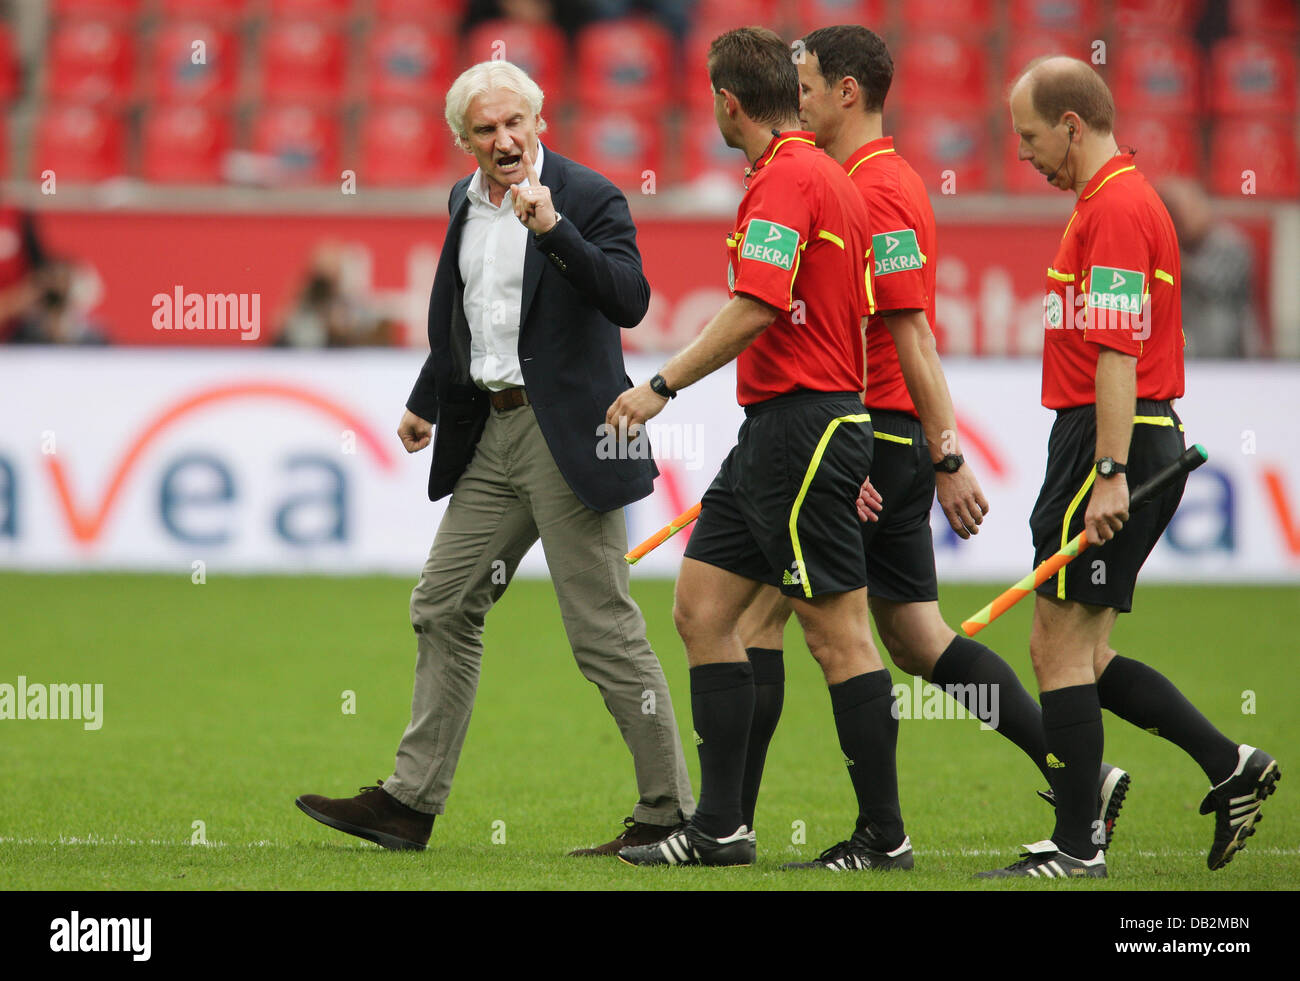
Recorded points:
1019,718
769,695
1072,726
1146,698
868,729
722,707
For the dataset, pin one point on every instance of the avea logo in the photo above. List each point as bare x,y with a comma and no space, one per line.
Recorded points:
87,518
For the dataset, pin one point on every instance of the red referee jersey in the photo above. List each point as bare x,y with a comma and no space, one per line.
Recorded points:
902,252
1114,283
801,244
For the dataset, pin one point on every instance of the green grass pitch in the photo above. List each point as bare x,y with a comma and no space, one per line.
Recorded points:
223,702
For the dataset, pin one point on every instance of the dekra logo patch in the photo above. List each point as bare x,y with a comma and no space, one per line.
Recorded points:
766,241
1116,289
896,251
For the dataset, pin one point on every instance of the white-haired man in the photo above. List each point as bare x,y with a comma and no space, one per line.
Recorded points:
538,272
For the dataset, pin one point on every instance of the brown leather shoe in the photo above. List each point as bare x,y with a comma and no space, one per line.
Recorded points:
634,833
373,814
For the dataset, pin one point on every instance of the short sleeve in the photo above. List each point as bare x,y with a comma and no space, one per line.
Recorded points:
898,264
774,225
1115,259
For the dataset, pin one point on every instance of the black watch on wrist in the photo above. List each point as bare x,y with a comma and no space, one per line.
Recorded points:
660,388
1107,467
950,463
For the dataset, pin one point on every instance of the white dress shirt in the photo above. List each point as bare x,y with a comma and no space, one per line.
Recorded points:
492,246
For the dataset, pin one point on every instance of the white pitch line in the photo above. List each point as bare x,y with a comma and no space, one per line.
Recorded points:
153,842
935,852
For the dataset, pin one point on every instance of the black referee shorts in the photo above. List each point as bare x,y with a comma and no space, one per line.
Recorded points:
1104,575
782,509
899,547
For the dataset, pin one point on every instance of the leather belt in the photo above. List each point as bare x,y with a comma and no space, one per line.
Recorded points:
508,398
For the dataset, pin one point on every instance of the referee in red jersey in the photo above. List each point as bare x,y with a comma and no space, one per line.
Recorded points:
844,76
1112,367
782,509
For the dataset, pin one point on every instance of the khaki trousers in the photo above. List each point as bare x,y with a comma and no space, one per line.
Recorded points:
511,494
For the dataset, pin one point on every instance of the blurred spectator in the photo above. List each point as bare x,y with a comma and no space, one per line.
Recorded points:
571,15
328,313
673,14
567,15
21,258
56,317
1219,318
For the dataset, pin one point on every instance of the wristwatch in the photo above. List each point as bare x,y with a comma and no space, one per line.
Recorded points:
950,463
660,387
1107,467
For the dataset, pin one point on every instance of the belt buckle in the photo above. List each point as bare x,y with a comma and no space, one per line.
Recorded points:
509,398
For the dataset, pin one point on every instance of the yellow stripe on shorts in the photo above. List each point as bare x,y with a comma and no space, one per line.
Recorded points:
1065,527
905,440
833,425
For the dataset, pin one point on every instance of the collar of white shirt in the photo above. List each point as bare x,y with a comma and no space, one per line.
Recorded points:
478,186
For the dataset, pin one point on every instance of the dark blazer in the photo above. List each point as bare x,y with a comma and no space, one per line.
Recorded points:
582,281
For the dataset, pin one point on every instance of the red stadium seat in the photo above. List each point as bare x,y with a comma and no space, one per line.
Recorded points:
184,144
1165,146
723,15
1025,49
302,60
1157,74
176,75
407,61
10,67
955,16
541,51
115,9
402,146
314,9
707,156
80,143
812,14
445,12
625,64
91,61
621,146
1078,17
303,140
1019,177
221,11
1264,17
696,92
941,70
1252,76
1163,16
1266,148
935,143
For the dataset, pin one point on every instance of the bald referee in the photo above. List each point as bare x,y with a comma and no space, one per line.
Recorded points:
1112,367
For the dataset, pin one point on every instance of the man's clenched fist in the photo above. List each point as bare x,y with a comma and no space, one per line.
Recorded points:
414,432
